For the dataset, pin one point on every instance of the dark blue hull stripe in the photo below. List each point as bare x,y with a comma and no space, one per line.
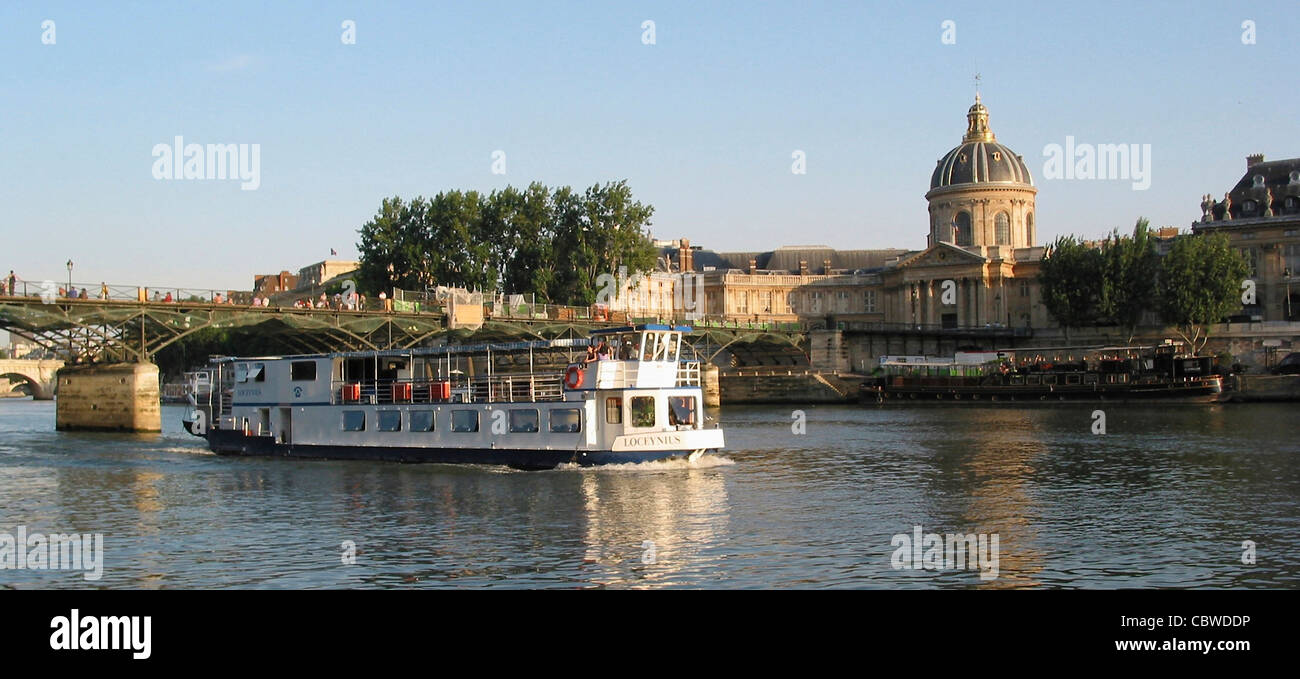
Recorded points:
234,442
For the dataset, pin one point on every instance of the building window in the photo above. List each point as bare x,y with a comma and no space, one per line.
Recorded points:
869,301
390,420
842,301
464,420
1291,261
1002,229
1252,260
302,371
1024,288
643,411
614,410
962,229
354,420
421,420
566,421
523,421
1029,229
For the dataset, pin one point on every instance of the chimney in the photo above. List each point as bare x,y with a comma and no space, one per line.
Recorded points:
753,266
1254,159
803,267
826,267
685,259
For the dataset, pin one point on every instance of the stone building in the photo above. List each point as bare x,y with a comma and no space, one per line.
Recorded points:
1261,217
313,275
979,268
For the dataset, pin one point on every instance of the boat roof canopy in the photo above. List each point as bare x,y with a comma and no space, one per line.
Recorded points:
480,348
460,349
641,327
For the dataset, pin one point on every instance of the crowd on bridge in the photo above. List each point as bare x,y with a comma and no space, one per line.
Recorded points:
352,301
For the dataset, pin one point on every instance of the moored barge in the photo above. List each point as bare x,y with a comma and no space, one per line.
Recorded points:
1129,373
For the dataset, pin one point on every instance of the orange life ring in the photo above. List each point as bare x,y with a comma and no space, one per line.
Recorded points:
573,377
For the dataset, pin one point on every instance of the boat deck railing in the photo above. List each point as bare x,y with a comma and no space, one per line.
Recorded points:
510,388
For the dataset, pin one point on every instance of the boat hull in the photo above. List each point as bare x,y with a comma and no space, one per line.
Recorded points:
1205,392
236,443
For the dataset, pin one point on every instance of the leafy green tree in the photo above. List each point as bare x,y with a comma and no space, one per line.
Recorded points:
453,251
1199,285
1130,267
391,247
1070,280
531,266
599,232
553,243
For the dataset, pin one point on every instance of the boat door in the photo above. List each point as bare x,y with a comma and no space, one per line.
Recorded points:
286,425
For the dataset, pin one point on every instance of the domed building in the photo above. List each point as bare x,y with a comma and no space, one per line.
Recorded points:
981,193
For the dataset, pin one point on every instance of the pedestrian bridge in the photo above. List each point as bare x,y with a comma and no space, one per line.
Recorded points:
39,375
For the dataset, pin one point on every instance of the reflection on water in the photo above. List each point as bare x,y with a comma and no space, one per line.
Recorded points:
1164,499
648,535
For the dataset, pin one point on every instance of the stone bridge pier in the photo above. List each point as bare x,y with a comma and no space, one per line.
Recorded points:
109,397
39,375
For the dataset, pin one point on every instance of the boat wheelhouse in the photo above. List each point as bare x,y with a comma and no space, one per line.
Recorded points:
524,404
1121,373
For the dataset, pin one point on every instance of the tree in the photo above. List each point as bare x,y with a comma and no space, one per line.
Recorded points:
391,247
553,243
1130,266
1199,284
1070,279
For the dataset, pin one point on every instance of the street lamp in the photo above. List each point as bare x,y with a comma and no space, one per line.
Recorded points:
69,278
1287,273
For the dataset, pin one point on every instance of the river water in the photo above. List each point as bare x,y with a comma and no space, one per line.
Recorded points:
1166,497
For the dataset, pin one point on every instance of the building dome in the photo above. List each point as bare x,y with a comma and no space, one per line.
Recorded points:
980,158
981,194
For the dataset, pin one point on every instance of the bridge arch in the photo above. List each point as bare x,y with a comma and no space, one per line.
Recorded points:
39,376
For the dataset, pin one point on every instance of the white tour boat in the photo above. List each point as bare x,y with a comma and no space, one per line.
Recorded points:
484,403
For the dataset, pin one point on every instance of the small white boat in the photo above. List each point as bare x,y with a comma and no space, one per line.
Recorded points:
482,404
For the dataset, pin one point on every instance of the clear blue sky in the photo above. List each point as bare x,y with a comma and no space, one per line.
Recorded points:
702,123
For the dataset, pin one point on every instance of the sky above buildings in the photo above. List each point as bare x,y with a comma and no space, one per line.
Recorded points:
704,121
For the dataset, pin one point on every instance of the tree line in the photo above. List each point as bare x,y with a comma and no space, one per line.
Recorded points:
552,242
1197,283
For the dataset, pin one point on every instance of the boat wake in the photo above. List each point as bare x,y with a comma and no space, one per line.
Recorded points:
704,462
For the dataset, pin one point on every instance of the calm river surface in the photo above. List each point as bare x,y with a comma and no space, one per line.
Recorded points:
1164,499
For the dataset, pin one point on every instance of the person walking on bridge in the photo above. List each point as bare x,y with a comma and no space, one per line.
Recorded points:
13,283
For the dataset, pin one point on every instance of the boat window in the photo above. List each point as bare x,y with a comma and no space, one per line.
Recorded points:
255,373
643,411
614,410
681,410
464,420
241,372
390,420
354,420
300,371
523,421
566,420
421,420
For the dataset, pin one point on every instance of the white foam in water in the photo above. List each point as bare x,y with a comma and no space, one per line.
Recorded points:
704,462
